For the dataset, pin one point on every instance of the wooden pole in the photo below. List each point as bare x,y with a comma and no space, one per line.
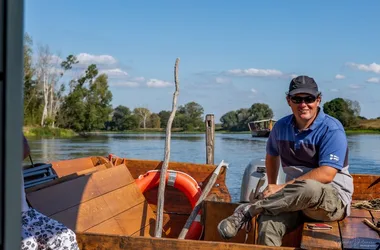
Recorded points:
204,194
161,187
210,129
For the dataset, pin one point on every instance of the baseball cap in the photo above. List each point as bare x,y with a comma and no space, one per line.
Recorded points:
303,84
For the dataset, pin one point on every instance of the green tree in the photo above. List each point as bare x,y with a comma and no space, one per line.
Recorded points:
98,103
189,117
33,99
72,111
229,120
154,121
242,115
124,119
194,112
238,120
143,114
345,111
164,117
120,114
87,106
260,111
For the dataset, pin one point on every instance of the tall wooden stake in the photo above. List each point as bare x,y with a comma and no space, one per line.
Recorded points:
161,187
210,128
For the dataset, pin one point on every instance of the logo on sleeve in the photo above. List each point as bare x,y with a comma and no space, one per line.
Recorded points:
334,157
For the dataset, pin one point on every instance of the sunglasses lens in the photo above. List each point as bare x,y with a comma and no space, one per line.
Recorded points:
309,99
306,99
296,99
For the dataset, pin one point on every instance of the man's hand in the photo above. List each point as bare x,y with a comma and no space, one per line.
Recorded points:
272,189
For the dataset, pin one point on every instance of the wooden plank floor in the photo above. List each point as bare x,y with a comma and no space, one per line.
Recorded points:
355,234
351,233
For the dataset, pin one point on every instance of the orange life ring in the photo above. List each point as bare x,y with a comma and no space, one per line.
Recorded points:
184,183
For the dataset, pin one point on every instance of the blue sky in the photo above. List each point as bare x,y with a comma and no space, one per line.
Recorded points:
233,54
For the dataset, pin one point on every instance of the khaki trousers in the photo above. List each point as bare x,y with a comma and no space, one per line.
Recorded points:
285,209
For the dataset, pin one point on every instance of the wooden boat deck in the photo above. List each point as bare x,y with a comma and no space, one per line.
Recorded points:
351,233
103,205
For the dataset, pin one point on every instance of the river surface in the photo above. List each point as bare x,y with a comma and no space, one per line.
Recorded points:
236,149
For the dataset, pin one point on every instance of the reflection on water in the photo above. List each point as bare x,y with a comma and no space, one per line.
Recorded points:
236,149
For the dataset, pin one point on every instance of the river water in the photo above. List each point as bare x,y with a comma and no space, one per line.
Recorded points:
236,149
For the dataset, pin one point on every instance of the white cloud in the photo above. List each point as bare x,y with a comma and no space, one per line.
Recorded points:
114,72
155,83
338,76
254,72
373,67
254,91
222,80
55,59
334,90
85,58
125,84
374,80
355,86
139,79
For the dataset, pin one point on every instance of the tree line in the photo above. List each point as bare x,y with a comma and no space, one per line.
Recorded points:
83,103
345,110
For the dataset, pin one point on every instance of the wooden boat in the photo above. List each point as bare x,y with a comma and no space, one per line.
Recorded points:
261,128
99,199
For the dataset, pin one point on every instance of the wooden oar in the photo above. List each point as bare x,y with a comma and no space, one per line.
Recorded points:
204,194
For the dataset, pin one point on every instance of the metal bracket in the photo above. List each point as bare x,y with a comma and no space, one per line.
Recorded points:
172,178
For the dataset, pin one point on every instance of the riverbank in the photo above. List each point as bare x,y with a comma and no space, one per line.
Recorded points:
362,131
47,132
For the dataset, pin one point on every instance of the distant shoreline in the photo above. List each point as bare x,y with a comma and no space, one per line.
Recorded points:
45,132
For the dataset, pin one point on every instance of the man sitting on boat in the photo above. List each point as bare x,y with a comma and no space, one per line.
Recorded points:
312,147
39,231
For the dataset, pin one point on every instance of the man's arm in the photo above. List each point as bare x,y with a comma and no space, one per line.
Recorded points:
323,174
272,164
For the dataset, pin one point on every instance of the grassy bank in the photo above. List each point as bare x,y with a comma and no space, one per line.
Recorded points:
370,126
48,132
362,131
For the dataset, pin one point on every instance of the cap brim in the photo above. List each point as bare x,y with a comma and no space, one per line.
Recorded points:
304,91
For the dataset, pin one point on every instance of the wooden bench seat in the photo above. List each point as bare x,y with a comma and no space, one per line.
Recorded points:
321,239
213,212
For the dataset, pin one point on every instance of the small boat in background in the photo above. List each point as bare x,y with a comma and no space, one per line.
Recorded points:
261,128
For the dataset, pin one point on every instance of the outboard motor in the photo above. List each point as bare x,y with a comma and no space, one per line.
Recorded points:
255,180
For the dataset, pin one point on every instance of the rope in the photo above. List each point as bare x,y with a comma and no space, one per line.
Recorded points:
373,204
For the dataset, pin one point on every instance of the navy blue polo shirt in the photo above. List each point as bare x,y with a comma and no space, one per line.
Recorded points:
324,143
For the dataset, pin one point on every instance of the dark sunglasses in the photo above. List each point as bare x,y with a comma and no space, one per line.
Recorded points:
300,99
